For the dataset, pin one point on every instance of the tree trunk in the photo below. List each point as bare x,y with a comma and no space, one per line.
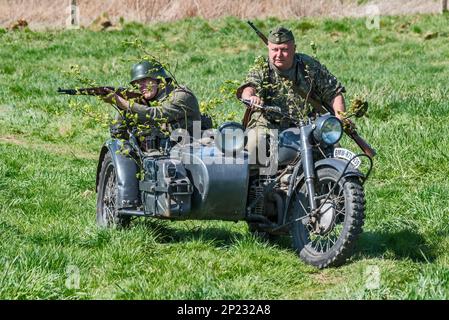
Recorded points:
444,6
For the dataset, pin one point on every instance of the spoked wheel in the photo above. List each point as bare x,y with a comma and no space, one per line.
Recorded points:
107,210
329,238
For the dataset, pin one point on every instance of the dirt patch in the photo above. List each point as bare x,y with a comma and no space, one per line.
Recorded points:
326,279
12,140
48,147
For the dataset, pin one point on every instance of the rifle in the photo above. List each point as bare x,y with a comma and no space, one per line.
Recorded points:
349,130
365,146
260,34
102,91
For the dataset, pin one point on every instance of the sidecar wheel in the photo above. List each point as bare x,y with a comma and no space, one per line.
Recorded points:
339,225
107,211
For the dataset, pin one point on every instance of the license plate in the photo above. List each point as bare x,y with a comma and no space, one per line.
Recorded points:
347,155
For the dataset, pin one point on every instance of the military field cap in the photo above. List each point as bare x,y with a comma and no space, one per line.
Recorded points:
280,35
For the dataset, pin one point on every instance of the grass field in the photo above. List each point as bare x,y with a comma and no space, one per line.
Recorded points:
51,248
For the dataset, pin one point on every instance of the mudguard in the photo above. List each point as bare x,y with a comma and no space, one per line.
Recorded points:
339,165
126,169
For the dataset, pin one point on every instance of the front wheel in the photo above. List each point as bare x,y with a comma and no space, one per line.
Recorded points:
329,239
107,210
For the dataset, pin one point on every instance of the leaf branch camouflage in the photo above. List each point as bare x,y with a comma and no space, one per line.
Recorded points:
307,79
176,107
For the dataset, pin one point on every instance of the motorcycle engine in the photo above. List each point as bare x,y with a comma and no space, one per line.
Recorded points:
255,191
263,206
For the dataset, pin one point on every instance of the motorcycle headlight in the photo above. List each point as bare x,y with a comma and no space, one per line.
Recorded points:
231,137
328,129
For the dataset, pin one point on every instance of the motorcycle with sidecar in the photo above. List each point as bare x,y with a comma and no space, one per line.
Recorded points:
314,192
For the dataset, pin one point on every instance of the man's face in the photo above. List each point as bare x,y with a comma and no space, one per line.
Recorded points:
148,87
281,55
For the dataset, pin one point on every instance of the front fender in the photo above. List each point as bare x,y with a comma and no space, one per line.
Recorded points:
335,163
339,165
126,170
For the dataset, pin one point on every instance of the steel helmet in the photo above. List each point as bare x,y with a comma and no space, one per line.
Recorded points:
147,69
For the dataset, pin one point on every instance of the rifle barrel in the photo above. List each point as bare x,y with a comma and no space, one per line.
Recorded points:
260,34
102,91
66,91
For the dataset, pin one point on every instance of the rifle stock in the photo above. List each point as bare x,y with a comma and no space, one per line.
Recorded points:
366,148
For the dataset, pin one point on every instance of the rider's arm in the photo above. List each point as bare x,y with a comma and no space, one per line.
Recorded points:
249,93
253,88
181,105
338,105
146,113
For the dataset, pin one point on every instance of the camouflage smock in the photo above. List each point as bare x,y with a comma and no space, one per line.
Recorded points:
287,89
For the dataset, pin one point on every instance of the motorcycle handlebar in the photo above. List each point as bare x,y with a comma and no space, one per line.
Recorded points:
265,108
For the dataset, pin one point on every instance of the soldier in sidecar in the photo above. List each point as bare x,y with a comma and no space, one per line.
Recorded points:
164,106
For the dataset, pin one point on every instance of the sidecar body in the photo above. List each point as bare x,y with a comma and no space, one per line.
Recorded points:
194,181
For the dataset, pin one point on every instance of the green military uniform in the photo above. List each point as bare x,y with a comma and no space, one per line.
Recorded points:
173,107
288,89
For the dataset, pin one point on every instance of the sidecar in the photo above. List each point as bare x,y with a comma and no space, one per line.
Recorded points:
200,180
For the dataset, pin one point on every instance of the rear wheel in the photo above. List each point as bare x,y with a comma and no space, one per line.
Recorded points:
107,209
330,239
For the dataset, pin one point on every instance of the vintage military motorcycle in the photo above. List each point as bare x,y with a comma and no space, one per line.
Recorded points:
315,193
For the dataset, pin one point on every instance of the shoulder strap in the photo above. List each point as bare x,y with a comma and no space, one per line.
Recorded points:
246,118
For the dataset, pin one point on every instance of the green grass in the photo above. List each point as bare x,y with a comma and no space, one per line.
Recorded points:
48,164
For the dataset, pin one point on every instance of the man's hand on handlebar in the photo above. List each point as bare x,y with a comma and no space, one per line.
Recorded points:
254,102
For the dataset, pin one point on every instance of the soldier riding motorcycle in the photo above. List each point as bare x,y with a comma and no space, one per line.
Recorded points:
316,191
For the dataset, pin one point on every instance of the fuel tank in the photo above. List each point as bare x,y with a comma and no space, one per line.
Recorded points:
289,146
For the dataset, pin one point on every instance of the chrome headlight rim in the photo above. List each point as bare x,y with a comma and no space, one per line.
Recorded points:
328,130
240,142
